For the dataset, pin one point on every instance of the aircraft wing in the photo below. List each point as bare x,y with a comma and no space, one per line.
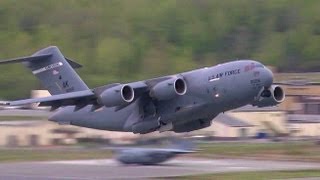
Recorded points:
85,97
72,98
78,98
81,95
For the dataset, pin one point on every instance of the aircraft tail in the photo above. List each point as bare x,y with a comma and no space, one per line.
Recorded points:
55,72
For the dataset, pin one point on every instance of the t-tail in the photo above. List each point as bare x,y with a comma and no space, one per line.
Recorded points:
55,71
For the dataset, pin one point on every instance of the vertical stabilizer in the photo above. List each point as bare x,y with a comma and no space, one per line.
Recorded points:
54,72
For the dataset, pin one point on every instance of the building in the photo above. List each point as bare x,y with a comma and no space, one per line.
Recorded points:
26,133
46,133
271,121
304,125
227,127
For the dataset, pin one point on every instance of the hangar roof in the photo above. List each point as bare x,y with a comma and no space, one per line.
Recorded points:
303,118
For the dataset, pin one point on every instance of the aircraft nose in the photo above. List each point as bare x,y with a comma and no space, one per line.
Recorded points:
267,77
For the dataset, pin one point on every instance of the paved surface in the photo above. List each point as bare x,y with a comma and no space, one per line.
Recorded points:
109,169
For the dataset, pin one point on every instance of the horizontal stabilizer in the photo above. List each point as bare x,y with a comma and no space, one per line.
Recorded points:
25,59
38,57
73,64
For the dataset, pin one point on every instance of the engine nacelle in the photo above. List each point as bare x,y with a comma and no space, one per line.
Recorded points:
270,97
116,96
169,89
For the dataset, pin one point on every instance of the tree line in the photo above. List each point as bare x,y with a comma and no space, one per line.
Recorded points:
120,41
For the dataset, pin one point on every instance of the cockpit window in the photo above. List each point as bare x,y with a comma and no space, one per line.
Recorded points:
259,65
252,66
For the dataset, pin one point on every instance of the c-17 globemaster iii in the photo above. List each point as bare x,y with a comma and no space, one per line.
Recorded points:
152,156
147,156
181,102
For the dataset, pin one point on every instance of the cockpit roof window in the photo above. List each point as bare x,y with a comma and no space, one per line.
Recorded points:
259,65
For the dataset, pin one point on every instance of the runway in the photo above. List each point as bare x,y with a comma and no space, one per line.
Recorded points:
109,169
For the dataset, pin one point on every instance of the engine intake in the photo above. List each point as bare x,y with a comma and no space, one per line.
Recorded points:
169,89
117,96
278,94
270,97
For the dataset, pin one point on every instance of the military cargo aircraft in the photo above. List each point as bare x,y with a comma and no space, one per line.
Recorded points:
151,156
181,102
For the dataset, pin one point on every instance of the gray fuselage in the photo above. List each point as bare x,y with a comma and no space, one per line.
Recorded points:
210,91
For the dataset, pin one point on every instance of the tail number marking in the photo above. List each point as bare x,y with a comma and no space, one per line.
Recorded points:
51,66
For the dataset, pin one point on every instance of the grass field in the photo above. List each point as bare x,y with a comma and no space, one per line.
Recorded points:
307,151
260,175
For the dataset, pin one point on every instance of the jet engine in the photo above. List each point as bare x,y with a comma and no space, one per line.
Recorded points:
270,97
168,89
116,96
